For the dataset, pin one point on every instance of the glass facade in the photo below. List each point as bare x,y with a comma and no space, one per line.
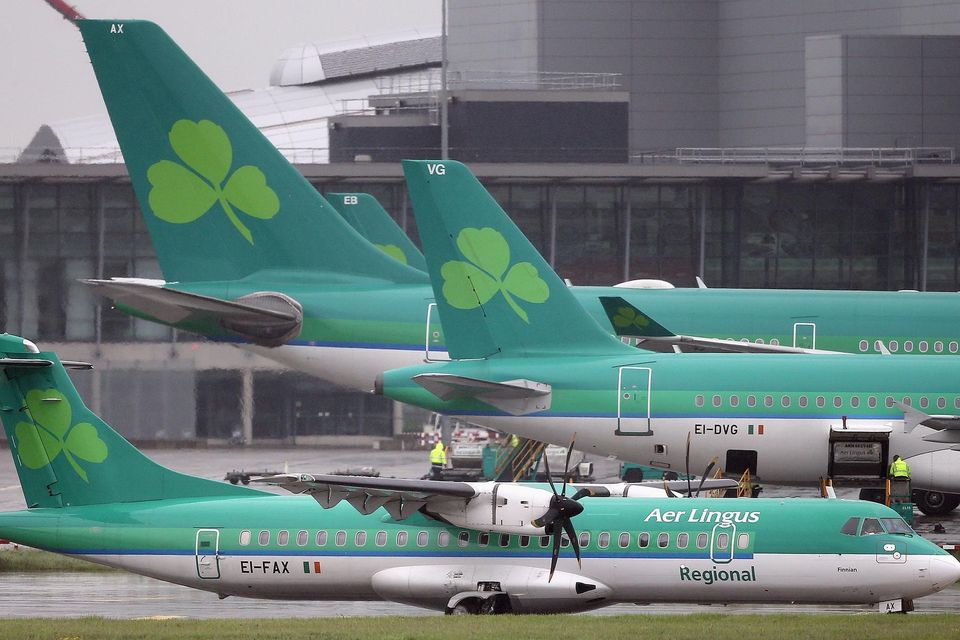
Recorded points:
900,234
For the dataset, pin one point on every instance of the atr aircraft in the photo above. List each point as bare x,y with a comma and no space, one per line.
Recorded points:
252,254
452,546
529,360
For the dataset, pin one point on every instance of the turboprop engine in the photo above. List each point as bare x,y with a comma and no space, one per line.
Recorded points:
490,588
498,507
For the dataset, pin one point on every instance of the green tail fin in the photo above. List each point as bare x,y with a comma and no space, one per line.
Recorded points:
495,293
219,200
371,220
64,454
627,320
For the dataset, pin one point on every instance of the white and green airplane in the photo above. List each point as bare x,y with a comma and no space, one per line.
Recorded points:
451,546
529,360
252,254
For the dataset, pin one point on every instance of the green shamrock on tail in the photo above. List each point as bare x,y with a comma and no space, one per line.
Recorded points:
467,285
40,443
627,316
393,251
181,194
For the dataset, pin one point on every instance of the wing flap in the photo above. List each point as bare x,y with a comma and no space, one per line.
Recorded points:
912,418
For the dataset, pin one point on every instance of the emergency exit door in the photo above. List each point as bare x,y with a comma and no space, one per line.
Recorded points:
633,401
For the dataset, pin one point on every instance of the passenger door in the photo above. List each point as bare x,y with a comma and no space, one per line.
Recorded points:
208,553
633,401
805,335
433,344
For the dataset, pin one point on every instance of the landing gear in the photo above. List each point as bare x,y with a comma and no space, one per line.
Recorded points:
935,503
464,608
488,605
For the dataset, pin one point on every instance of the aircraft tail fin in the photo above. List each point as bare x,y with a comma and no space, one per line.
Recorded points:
65,454
219,200
627,320
365,214
494,291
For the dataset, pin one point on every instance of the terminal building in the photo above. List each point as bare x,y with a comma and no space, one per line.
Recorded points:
755,143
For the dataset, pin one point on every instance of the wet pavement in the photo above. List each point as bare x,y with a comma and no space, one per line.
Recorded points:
121,595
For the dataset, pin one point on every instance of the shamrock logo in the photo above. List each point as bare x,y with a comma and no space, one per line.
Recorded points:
181,194
628,316
467,285
393,251
52,432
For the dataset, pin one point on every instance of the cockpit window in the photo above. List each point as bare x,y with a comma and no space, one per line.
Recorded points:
850,527
870,527
897,525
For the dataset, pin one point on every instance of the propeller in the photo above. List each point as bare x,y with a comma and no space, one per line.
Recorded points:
557,519
703,476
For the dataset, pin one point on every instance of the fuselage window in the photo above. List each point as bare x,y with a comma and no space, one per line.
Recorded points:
872,402
723,540
443,538
855,402
698,401
802,401
544,541
871,526
734,401
821,402
864,345
504,539
464,538
785,401
264,538
603,540
643,540
743,541
381,538
401,538
775,342
524,541
908,346
564,541
422,538
716,401
321,538
941,403
938,346
956,402
889,401
245,537
924,403
894,346
683,539
751,401
663,540
341,538
624,540
483,539
837,401
302,537
702,540
850,527
954,346
768,401
907,401
360,539
584,538
924,345
283,538
759,340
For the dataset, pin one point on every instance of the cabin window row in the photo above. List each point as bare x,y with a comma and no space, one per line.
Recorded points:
820,401
444,538
922,346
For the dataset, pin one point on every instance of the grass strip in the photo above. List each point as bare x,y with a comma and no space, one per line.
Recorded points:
557,627
29,560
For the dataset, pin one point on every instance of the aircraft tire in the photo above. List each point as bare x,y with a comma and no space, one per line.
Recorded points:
464,608
936,503
633,475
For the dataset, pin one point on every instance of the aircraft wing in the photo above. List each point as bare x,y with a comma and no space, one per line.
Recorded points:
250,317
630,322
947,427
516,397
401,498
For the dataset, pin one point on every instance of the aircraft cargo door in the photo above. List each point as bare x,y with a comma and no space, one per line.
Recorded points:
208,553
633,401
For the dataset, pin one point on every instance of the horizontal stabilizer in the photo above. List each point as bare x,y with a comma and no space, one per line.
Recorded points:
516,397
249,316
914,417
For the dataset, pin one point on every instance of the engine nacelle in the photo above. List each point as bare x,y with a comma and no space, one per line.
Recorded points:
936,470
443,586
268,331
498,507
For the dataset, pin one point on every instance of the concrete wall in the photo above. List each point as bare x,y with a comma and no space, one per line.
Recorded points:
493,35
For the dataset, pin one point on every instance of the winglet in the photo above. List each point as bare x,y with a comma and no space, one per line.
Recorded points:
700,283
629,321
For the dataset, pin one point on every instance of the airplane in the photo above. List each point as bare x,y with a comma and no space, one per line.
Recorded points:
457,547
371,220
529,360
253,255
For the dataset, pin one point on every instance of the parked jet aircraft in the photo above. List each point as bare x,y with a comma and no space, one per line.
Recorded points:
253,254
531,361
452,546
371,220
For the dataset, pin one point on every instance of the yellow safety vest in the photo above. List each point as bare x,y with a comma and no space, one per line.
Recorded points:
437,455
899,469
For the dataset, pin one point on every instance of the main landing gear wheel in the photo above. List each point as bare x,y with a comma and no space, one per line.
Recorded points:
464,608
935,503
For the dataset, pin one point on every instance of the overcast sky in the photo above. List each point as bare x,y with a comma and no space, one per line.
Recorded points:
45,75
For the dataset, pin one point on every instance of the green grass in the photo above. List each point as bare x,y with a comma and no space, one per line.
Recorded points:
24,559
660,627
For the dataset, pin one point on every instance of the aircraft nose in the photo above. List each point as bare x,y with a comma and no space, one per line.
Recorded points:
945,570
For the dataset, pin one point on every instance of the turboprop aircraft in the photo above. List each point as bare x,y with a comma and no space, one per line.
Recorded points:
252,254
529,360
452,546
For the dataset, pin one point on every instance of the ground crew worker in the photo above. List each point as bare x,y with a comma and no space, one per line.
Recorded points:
899,469
514,441
438,458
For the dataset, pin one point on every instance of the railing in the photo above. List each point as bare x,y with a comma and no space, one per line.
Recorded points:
481,79
814,156
518,460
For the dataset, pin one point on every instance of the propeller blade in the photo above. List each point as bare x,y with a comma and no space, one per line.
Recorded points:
689,488
546,465
556,552
592,492
566,464
666,488
706,472
572,534
547,518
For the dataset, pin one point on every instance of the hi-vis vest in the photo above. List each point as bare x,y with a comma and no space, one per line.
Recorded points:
899,469
437,455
